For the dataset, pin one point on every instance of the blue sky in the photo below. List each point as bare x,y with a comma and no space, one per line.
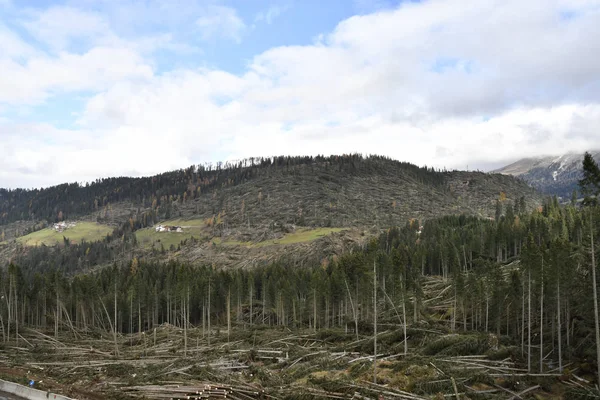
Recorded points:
264,24
137,87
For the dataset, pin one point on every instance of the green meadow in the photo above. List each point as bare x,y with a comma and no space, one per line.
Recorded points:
89,231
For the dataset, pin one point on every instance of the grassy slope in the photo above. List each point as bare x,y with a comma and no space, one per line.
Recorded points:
90,231
302,235
192,227
196,228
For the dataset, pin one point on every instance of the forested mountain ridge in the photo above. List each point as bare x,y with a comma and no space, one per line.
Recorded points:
516,289
487,306
552,175
344,190
236,210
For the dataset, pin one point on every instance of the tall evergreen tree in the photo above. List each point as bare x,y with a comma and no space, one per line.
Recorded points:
590,183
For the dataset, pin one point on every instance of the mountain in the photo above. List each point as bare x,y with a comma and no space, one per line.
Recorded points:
257,209
554,175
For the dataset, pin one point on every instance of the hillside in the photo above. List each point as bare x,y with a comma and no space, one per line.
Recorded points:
82,231
426,313
553,175
263,209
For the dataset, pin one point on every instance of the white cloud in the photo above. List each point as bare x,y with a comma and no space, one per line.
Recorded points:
221,21
97,69
59,26
271,13
65,28
369,6
12,46
436,83
85,55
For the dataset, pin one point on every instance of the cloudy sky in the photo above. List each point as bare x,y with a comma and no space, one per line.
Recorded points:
93,88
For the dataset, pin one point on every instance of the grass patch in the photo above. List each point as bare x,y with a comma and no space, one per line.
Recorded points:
302,235
306,235
90,231
185,223
196,228
191,227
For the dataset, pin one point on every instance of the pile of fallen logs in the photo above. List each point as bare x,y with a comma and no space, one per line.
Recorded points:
201,391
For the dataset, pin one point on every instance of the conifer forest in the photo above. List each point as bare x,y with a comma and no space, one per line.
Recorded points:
299,200
455,306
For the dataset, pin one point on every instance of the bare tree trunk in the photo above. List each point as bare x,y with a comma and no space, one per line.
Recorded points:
169,307
453,327
251,301
594,286
558,326
112,328
64,309
393,305
187,313
487,308
464,314
155,313
326,313
9,308
16,301
115,324
542,320
374,323
208,311
353,309
131,314
238,314
508,319
315,310
57,315
568,319
184,316
44,310
2,327
282,310
404,325
529,324
523,320
415,307
294,312
228,314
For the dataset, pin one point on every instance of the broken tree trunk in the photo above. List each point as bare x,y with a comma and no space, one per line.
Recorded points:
374,322
353,309
595,288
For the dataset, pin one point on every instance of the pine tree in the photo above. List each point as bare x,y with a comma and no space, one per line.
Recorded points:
590,183
590,187
498,210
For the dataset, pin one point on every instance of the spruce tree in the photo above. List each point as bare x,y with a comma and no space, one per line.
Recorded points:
590,183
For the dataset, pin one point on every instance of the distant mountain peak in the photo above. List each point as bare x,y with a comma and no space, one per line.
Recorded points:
554,175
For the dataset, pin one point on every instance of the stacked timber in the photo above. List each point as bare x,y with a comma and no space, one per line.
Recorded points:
196,392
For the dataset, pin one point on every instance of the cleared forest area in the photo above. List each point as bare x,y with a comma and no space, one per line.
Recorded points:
454,307
260,361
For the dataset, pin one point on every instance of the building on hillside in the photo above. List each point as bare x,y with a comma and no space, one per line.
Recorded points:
166,228
62,226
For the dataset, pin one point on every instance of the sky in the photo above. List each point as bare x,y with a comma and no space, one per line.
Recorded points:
98,88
